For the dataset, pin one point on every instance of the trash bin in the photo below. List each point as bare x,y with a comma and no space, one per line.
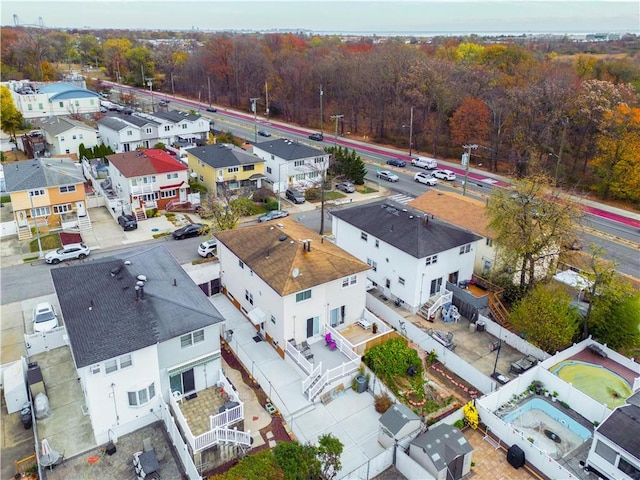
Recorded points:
26,420
361,383
480,326
472,327
515,456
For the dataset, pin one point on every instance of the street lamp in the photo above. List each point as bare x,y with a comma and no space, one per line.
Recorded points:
337,117
411,132
150,85
255,119
35,224
466,158
280,165
321,94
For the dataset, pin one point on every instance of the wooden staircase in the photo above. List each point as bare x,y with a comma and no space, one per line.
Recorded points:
498,311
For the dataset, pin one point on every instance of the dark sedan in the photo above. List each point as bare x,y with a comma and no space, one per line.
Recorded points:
396,162
192,230
318,137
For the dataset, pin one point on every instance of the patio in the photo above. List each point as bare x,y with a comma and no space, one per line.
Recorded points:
355,334
197,410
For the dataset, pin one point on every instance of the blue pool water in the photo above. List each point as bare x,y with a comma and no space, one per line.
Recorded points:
550,411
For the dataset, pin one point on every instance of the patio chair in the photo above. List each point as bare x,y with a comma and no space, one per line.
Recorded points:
330,342
305,347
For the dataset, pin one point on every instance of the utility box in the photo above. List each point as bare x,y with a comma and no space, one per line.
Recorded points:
15,388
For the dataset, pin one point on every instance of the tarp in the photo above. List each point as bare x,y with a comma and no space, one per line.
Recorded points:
573,279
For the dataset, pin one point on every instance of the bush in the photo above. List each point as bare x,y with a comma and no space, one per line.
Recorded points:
382,402
271,204
197,187
263,195
312,193
152,212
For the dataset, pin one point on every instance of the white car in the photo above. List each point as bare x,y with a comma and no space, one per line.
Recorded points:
425,178
444,175
68,252
208,249
388,176
44,317
425,162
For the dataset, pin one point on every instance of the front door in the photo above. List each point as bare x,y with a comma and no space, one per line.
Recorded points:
183,194
435,286
313,326
22,218
183,382
82,211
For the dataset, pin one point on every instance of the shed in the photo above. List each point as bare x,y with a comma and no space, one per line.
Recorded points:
397,423
442,451
15,387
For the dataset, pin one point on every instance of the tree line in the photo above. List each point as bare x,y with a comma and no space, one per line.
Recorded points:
532,106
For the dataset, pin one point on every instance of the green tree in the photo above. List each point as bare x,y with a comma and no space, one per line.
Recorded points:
10,118
228,137
547,318
259,466
347,163
225,209
531,222
329,450
298,462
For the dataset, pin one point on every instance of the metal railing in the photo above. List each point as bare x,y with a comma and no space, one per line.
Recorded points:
306,383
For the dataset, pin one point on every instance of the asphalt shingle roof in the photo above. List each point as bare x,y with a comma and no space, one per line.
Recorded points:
623,428
289,149
113,123
443,444
57,125
222,155
408,230
396,417
177,116
273,253
103,318
145,162
41,173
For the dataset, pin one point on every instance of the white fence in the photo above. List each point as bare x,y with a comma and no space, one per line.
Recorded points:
299,358
512,339
8,228
180,447
410,468
370,469
44,341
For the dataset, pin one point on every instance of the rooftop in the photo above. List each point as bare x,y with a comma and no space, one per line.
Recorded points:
57,125
145,162
222,155
41,173
289,149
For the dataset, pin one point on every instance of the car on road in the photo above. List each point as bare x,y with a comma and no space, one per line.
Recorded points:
346,187
212,109
264,133
192,230
272,215
425,178
68,252
163,103
209,248
425,162
296,196
44,317
397,162
127,222
444,175
388,176
318,137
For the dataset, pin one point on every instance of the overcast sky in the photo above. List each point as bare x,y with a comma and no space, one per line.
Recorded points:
417,16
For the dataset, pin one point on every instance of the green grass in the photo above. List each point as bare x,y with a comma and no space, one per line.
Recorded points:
160,235
5,199
49,242
365,189
30,259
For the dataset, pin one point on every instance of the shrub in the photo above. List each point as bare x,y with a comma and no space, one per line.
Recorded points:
271,204
263,195
197,187
152,212
312,193
459,424
382,402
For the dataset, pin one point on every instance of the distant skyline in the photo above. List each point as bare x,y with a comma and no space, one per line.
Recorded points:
416,17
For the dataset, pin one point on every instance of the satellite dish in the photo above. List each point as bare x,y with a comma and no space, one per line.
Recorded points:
296,272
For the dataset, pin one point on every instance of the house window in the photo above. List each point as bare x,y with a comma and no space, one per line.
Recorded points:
606,452
147,130
268,169
80,136
110,366
489,242
74,137
40,212
62,139
168,193
351,280
298,163
377,243
77,103
248,296
184,126
62,208
401,280
373,263
318,160
191,338
627,468
149,197
240,263
248,168
465,249
201,178
232,170
129,133
273,319
172,175
36,193
302,296
167,128
40,107
68,189
336,316
61,104
141,397
119,363
29,107
433,259
364,236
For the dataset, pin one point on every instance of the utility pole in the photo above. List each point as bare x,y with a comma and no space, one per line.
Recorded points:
411,132
173,87
337,117
321,116
255,118
565,122
35,225
466,158
266,96
209,89
150,85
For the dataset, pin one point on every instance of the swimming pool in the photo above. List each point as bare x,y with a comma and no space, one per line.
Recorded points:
598,382
550,429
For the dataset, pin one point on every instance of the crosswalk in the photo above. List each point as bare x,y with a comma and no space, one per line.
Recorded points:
401,198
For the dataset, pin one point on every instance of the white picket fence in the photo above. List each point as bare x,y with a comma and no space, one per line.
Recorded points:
44,341
180,446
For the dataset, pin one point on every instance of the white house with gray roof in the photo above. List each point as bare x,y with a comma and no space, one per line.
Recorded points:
40,100
442,451
139,329
64,135
411,254
291,163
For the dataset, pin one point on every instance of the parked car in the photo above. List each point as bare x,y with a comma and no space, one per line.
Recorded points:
163,103
68,252
192,230
272,215
296,196
127,222
444,175
44,317
346,187
425,162
425,178
318,137
264,133
397,162
212,109
209,248
388,176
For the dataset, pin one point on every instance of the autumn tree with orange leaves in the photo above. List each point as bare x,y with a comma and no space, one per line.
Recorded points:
470,122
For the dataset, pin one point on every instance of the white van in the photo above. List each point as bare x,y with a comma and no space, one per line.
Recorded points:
425,162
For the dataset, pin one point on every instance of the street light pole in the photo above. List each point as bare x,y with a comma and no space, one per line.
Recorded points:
466,158
266,96
150,85
209,89
411,132
255,119
35,224
321,116
335,138
279,182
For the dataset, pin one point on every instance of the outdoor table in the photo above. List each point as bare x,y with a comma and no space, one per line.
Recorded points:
149,462
49,460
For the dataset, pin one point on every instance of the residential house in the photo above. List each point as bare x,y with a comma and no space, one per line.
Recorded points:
47,192
615,450
147,179
35,100
442,451
289,281
183,126
411,254
291,163
226,168
398,423
64,135
139,330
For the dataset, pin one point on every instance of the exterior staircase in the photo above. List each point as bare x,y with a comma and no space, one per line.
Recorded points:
24,233
499,311
140,214
429,309
84,223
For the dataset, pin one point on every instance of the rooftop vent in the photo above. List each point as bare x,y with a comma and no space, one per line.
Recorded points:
282,238
116,271
142,278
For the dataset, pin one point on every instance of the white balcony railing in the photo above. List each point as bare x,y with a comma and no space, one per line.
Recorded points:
144,189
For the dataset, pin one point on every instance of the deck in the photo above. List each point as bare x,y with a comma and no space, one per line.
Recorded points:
197,410
356,335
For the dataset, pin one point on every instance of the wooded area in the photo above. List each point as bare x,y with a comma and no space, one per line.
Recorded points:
533,105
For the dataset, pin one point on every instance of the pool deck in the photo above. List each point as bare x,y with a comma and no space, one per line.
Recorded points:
590,357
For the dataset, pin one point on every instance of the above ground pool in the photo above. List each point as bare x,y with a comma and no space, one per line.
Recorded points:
598,382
